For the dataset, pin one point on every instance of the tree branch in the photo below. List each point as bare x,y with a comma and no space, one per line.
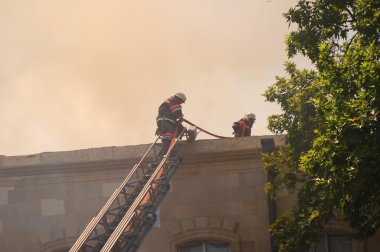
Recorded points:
350,13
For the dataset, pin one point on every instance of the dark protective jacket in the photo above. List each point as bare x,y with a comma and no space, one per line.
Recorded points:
169,113
242,127
170,110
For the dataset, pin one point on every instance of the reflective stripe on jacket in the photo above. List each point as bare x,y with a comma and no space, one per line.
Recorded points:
242,128
170,110
245,126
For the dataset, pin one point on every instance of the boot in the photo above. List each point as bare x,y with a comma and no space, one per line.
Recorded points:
164,148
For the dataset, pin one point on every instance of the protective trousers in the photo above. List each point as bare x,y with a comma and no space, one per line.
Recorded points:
166,129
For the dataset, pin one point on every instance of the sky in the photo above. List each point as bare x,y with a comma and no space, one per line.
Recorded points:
92,73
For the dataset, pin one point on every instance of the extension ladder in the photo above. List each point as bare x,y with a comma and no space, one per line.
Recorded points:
129,213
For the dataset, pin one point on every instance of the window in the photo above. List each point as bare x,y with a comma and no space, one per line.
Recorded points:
333,243
206,247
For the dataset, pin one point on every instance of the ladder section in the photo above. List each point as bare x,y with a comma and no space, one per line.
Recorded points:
130,211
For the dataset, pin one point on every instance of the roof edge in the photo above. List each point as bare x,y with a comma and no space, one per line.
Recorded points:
132,152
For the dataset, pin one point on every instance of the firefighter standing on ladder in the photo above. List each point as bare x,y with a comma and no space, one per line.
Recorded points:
169,116
243,127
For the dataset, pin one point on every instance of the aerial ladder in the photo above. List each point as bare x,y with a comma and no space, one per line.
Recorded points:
130,211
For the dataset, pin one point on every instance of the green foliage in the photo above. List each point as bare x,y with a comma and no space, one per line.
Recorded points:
331,118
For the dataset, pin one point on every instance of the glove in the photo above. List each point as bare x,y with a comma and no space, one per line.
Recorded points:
236,127
180,119
158,132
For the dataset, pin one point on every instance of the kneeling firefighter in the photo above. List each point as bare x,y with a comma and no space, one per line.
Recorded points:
243,127
169,116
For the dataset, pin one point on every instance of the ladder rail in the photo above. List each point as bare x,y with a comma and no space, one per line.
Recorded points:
124,222
131,211
95,220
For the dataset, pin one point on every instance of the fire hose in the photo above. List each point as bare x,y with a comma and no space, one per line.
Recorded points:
205,131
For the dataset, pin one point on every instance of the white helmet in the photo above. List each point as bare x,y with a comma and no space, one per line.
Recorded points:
181,96
250,116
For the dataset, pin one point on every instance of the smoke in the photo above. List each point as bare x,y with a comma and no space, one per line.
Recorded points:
83,74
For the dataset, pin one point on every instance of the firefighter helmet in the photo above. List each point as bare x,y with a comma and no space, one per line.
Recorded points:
181,96
250,116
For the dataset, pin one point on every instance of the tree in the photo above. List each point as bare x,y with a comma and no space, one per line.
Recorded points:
331,117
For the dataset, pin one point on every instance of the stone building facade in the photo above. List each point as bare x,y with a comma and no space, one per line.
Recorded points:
216,198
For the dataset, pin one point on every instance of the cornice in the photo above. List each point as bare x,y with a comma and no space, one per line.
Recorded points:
118,158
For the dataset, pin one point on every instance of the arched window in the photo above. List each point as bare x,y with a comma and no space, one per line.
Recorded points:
328,243
210,246
205,234
336,237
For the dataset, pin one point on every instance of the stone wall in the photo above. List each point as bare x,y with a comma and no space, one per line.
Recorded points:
47,199
217,194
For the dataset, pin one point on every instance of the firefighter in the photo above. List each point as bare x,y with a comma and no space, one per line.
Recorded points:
243,127
169,116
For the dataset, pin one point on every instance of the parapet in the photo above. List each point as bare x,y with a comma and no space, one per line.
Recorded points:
122,155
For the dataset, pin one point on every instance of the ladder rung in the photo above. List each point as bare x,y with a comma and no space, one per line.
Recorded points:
144,185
